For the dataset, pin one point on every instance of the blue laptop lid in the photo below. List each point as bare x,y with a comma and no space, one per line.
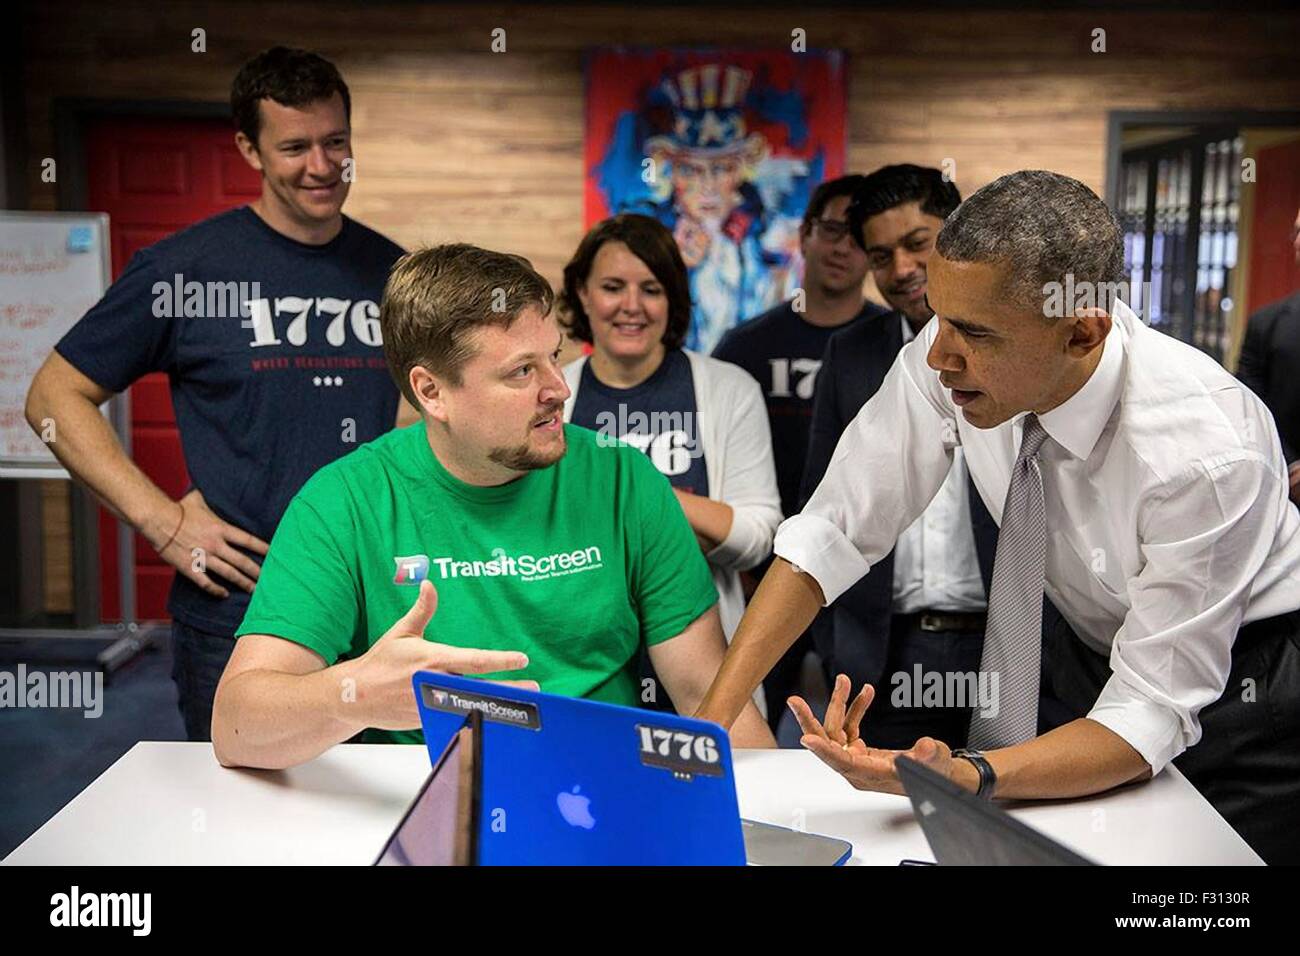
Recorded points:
572,781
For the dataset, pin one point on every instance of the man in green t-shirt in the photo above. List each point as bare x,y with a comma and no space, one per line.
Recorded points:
549,557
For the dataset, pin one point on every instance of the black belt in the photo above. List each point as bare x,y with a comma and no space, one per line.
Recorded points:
944,620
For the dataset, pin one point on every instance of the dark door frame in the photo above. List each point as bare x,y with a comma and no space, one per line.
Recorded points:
1207,125
1117,120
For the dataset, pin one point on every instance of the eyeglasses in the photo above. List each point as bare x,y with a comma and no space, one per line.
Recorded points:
832,230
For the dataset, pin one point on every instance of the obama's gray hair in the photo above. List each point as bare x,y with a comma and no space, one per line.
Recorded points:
1044,227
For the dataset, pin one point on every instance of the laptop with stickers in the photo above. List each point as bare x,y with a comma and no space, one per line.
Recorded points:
569,781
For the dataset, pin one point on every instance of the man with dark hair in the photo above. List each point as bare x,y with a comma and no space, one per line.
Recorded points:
1134,480
1270,358
268,385
782,349
894,216
920,610
288,77
556,556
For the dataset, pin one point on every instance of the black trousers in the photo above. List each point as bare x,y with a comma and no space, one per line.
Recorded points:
1247,762
199,658
897,718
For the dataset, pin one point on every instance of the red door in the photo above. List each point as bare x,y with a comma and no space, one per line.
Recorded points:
1273,272
154,177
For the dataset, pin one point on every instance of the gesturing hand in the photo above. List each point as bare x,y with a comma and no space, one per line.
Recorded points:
692,240
383,674
837,741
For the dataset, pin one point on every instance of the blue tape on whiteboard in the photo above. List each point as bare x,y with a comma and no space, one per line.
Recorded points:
81,239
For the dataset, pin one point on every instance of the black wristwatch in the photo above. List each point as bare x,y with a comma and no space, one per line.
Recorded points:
988,777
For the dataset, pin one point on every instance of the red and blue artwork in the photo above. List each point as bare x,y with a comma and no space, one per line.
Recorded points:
725,149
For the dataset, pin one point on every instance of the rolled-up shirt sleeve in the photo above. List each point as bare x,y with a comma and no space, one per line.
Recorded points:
888,465
1204,542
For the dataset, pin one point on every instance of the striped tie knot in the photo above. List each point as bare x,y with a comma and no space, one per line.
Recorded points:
1032,439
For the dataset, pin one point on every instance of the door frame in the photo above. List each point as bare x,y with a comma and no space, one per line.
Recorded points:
1117,120
1230,119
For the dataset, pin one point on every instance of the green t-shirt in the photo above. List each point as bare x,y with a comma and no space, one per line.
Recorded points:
575,564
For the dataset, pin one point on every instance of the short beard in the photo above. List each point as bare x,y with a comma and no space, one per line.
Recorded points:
523,458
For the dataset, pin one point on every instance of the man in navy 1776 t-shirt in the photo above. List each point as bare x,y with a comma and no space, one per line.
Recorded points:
266,320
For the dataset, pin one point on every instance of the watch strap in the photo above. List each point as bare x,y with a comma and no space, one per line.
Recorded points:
988,776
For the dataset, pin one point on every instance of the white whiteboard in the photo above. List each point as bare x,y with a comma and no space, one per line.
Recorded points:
53,267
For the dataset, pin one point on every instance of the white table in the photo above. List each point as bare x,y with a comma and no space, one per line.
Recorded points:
172,803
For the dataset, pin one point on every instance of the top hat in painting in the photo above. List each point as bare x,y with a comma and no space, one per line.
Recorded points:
708,113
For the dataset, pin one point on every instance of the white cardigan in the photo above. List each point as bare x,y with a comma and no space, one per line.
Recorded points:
734,435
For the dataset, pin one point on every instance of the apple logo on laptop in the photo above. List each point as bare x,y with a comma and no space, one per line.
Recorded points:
576,809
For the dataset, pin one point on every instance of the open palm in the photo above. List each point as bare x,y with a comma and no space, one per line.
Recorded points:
837,741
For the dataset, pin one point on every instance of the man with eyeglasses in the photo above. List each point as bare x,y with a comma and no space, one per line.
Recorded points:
782,349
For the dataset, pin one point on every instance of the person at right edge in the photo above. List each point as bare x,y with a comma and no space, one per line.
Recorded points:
1133,479
1270,355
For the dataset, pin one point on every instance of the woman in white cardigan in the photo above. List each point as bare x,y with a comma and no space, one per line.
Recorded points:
626,293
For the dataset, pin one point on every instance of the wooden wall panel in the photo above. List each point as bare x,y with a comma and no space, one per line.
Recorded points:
456,142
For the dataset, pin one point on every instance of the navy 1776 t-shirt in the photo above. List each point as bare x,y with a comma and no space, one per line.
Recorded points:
658,416
264,398
784,353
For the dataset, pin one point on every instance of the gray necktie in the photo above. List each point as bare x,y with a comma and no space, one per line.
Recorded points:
1014,633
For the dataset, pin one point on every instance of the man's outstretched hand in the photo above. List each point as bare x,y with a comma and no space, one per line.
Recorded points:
383,673
837,741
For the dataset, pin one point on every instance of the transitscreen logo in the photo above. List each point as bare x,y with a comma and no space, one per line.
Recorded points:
414,568
411,569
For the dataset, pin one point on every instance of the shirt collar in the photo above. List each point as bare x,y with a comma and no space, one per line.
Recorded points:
908,334
1077,423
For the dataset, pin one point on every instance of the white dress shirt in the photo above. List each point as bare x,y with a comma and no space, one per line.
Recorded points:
1166,500
936,567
